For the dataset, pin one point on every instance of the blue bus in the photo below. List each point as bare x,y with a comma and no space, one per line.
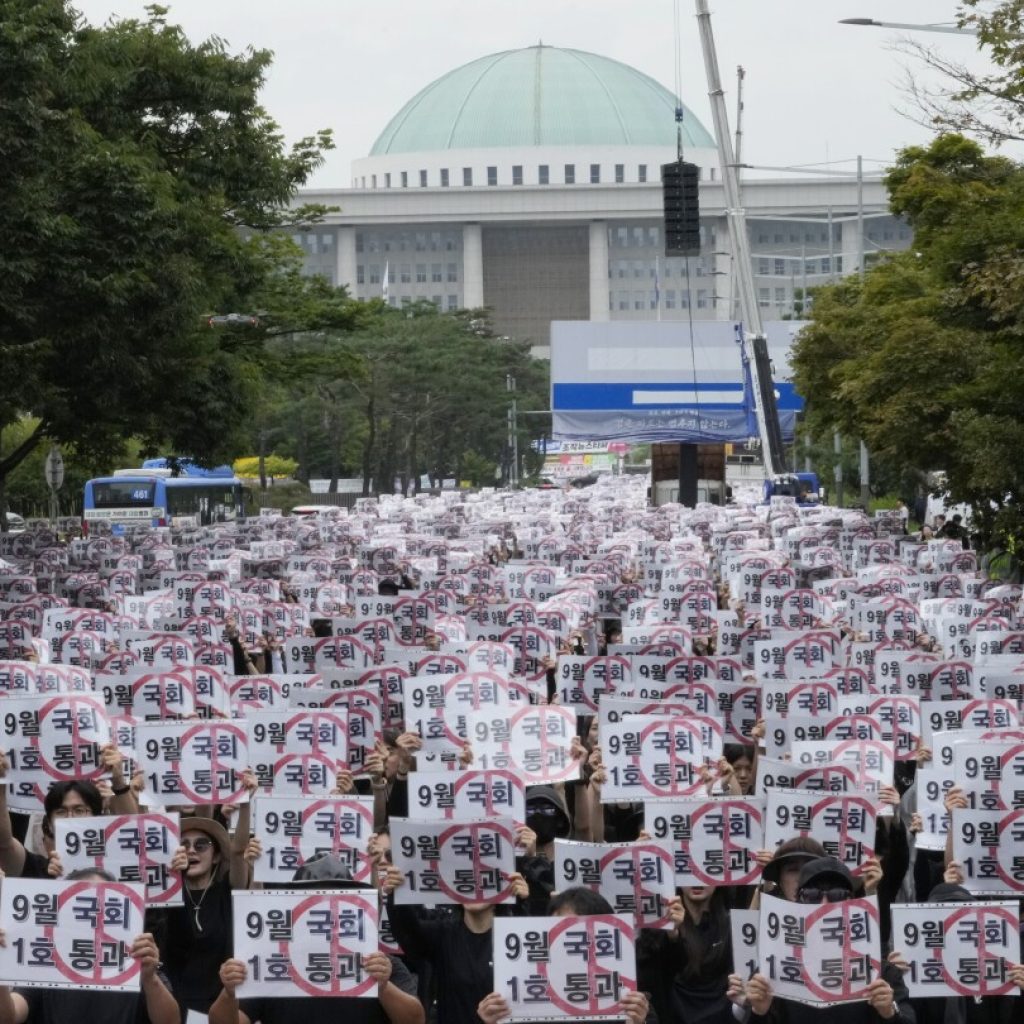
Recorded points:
151,496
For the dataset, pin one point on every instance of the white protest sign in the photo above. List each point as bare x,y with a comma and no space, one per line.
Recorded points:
957,949
51,739
872,760
822,953
636,878
152,695
293,830
131,847
990,775
830,778
583,681
70,934
990,847
193,762
714,841
561,968
930,786
744,924
464,795
843,824
298,752
305,942
454,861
535,742
654,755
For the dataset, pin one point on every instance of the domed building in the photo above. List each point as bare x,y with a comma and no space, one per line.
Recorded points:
529,181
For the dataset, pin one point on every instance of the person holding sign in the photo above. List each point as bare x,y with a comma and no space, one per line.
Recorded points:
154,1003
825,881
458,947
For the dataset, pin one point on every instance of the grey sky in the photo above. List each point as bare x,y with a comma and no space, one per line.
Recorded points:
815,89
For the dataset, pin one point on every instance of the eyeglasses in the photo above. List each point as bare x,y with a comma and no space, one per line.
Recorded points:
75,811
200,845
831,895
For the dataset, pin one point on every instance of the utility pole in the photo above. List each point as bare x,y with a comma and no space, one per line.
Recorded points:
753,333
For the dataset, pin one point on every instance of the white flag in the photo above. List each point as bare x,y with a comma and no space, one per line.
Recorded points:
384,282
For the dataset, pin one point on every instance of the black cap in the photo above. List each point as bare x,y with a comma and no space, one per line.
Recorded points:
327,869
773,869
824,869
949,892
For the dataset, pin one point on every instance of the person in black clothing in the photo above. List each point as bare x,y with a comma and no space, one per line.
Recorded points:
686,970
828,880
576,902
459,948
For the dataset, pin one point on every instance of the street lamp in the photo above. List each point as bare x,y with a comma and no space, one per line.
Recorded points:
934,27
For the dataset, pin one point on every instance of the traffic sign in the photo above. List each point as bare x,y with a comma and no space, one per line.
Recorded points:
55,468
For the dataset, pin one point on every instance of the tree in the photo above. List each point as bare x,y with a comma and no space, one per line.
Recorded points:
140,175
923,357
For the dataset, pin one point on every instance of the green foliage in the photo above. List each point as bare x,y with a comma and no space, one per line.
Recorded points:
140,171
923,358
273,465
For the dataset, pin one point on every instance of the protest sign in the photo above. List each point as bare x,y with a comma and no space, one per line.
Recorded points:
535,742
990,775
74,935
744,924
454,861
464,795
829,778
51,739
636,878
820,954
305,942
293,830
298,752
131,847
193,762
989,845
583,681
843,824
931,786
958,949
714,841
560,968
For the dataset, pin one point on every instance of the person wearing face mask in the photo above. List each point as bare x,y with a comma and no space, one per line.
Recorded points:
547,819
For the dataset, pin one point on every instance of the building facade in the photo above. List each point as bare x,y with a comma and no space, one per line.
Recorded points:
529,182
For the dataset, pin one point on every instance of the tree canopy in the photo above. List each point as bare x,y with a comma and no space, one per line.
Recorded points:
924,357
141,174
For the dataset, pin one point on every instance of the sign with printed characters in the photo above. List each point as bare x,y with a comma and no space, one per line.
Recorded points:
132,847
535,742
636,878
454,861
564,968
821,953
75,935
293,830
465,795
714,841
308,942
990,847
958,949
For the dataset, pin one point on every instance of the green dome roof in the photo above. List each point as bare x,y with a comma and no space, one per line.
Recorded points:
539,96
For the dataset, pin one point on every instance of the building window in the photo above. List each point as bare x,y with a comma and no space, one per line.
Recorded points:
517,174
450,243
311,243
421,241
764,297
638,300
444,177
435,241
453,302
653,236
620,173
763,266
374,273
684,300
595,174
467,175
622,236
780,268
421,273
780,297
405,179
373,180
435,272
839,264
826,266
641,172
423,179
360,274
621,264
702,299
326,241
453,272
543,174
570,174
436,300
638,268
405,273
492,175
654,300
670,298
359,241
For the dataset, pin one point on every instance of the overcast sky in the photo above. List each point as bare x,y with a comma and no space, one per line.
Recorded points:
815,90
